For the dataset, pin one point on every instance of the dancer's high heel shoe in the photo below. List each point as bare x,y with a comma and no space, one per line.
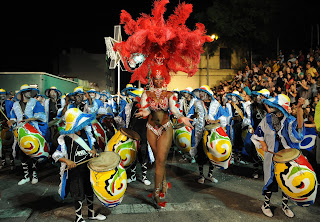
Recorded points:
165,187
156,199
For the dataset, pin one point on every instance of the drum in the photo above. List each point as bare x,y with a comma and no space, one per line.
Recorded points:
217,145
99,133
108,178
125,142
295,176
31,142
182,138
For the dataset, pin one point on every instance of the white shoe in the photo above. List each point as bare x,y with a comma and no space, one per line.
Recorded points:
24,180
131,180
267,211
34,180
146,182
98,217
255,176
212,179
288,212
201,180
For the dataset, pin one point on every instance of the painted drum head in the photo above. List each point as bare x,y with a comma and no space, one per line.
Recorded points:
130,133
287,155
212,126
106,161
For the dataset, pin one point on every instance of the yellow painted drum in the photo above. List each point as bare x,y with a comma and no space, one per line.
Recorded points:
295,176
108,178
182,138
125,142
31,142
217,145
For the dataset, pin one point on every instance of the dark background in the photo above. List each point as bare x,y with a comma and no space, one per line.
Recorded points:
33,36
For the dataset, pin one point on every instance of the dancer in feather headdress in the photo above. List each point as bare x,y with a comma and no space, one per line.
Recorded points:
155,48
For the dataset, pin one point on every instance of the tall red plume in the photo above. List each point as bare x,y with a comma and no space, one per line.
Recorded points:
170,42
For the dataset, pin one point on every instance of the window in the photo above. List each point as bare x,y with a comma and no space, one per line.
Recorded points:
225,58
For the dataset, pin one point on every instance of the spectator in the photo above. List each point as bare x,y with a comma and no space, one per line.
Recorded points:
280,80
281,57
304,91
311,70
269,85
299,73
301,57
275,66
313,86
292,59
289,81
292,93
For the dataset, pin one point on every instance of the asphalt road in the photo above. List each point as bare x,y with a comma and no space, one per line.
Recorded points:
236,197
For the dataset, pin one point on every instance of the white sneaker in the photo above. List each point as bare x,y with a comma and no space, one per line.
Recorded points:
34,180
201,180
146,182
24,180
267,211
288,212
255,176
212,179
131,180
98,217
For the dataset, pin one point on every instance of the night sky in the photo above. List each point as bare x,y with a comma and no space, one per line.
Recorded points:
31,39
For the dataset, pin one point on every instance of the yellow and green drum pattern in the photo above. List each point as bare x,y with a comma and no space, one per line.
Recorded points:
217,146
297,179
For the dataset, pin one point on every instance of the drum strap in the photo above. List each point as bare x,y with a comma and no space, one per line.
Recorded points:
80,141
238,110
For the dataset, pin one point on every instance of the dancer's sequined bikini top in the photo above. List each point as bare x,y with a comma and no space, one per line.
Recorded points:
161,104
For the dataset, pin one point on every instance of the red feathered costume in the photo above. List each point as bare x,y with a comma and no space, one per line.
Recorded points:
168,46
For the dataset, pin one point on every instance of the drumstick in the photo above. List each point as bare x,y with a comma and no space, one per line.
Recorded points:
4,115
275,153
84,161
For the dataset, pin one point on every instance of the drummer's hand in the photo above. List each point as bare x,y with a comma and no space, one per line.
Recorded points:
186,121
70,164
10,122
264,146
93,153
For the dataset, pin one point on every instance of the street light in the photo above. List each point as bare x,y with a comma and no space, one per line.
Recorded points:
213,37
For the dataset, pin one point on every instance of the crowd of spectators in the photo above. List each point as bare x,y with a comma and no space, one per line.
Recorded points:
295,75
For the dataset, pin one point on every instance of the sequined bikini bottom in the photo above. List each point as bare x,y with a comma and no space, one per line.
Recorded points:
159,130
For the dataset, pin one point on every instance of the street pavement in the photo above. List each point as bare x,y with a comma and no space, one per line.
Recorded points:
236,197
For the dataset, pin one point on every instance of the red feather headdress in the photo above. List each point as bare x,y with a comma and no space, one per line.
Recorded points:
167,46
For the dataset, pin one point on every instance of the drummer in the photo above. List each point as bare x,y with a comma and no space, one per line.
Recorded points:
278,130
108,107
79,99
76,144
138,125
187,107
241,120
28,109
97,103
125,97
209,111
5,106
259,111
53,103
